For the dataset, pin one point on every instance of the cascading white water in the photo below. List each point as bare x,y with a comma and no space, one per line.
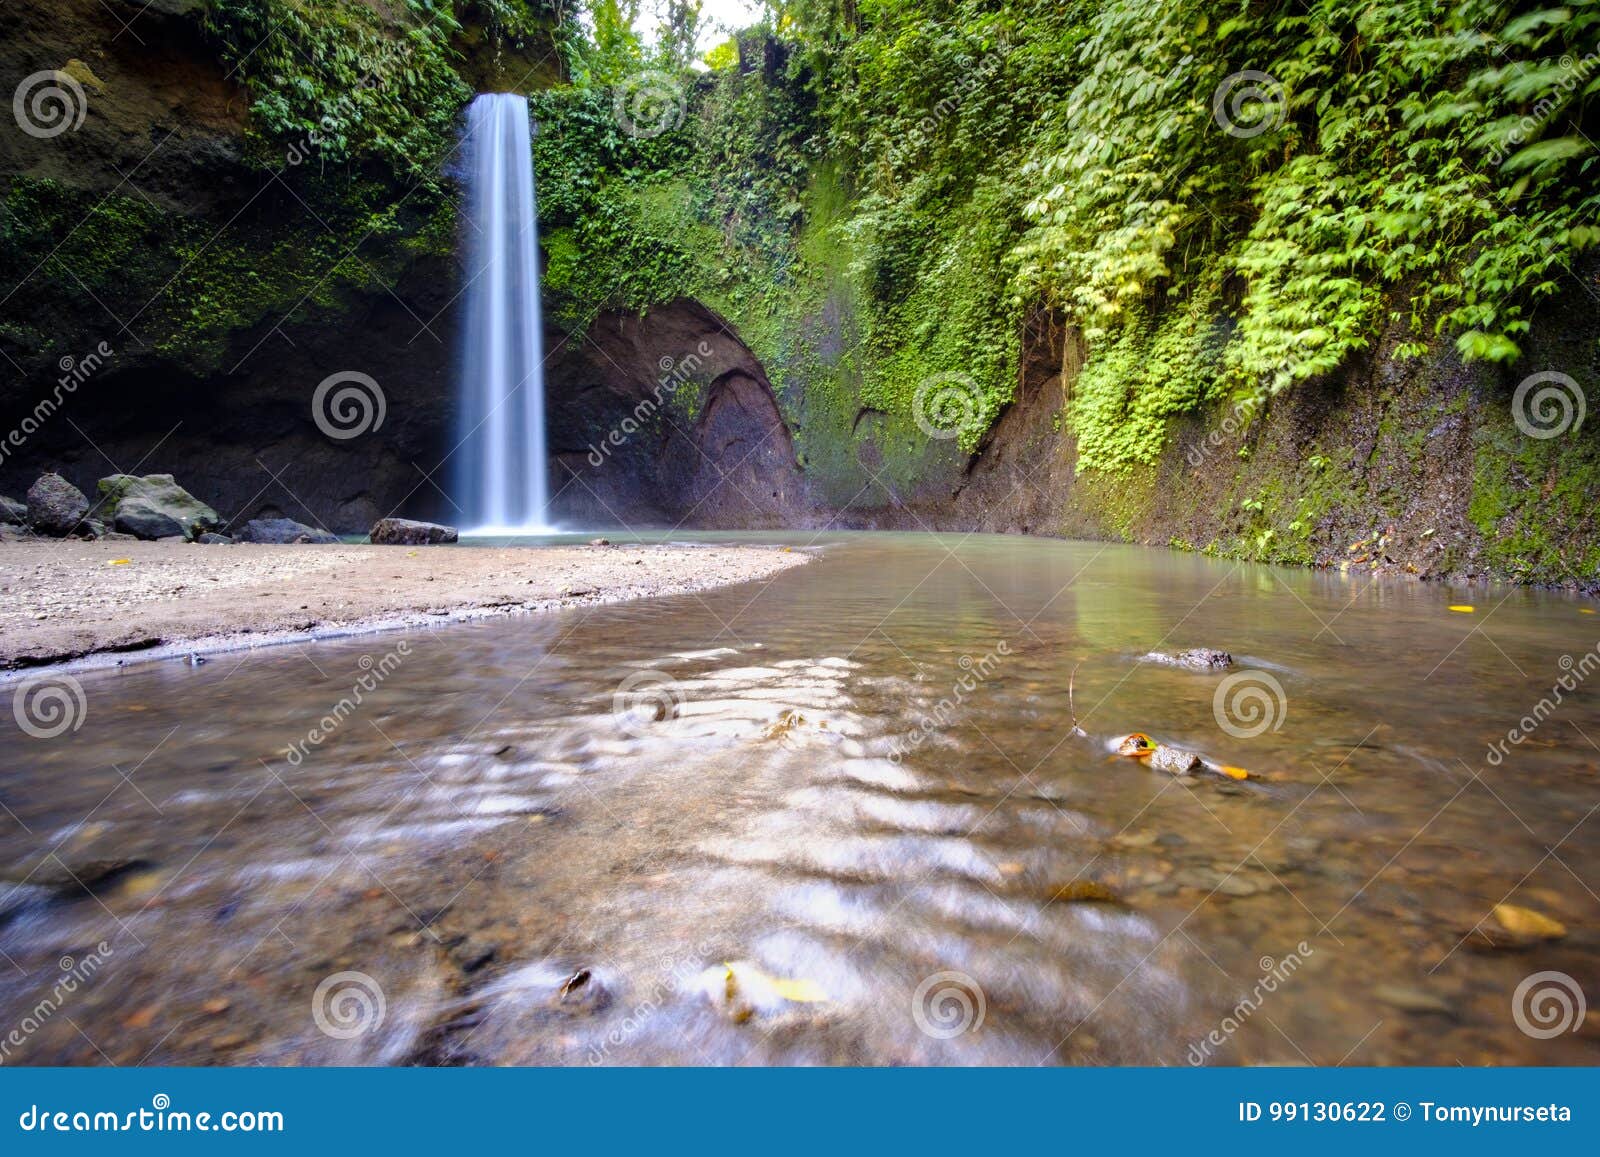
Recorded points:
501,470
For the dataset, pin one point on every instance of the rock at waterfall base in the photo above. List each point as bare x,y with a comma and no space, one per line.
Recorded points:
153,507
281,531
55,506
407,532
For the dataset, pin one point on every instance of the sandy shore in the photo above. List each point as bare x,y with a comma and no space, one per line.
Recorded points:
96,603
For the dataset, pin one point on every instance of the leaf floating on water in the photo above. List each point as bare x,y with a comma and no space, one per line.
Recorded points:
1463,608
743,990
1084,892
1232,772
572,984
1521,921
783,725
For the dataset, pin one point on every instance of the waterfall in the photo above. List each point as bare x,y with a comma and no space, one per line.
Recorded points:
501,472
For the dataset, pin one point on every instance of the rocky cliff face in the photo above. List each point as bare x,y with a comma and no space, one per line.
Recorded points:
179,286
175,288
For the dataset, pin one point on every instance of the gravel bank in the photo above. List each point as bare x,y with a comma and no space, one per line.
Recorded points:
93,603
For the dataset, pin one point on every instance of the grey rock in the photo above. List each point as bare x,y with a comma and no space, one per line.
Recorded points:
154,507
13,512
55,506
1198,659
282,530
117,536
210,538
407,532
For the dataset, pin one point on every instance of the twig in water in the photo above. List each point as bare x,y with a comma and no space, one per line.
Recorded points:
1071,706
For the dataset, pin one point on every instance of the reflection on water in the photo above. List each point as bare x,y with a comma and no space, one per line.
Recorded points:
839,817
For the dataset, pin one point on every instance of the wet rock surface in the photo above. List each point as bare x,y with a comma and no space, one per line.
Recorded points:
283,531
55,506
153,507
407,532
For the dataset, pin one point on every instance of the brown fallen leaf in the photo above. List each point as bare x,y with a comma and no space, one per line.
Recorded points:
1084,892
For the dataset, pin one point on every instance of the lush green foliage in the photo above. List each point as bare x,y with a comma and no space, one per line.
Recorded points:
1418,165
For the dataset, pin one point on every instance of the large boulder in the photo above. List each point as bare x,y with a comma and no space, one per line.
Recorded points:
280,531
153,506
406,532
12,512
56,506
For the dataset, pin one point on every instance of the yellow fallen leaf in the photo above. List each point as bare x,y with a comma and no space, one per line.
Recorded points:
119,562
1463,608
1526,922
799,991
802,991
1232,772
1586,610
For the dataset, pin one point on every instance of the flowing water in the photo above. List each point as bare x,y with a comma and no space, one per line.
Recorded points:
621,795
501,472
